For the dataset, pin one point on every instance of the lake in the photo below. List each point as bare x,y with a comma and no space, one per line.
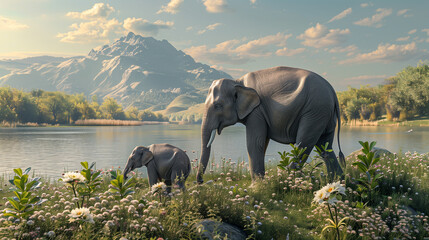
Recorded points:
52,150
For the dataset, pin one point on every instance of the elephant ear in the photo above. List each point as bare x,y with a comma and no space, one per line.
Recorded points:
246,100
147,156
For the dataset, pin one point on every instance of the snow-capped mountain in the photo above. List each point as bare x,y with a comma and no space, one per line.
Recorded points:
136,70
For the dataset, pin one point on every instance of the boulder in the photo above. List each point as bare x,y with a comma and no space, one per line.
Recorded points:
211,229
378,152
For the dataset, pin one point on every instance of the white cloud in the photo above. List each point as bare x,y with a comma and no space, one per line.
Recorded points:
143,26
366,77
403,12
236,52
234,72
215,55
99,10
215,6
252,1
97,28
289,52
386,53
351,49
258,47
320,36
412,31
92,31
209,28
172,7
11,24
375,20
364,5
403,39
189,28
341,15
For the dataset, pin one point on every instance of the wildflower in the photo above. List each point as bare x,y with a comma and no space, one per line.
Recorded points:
81,214
70,177
159,186
51,234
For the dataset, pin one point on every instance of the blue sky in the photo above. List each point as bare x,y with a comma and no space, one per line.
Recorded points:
350,43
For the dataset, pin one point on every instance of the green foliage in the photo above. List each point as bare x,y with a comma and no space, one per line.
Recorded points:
411,90
120,186
40,106
93,181
293,160
403,96
24,203
367,166
275,207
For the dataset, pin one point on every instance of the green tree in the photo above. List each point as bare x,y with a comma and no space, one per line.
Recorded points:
111,109
411,91
7,111
132,113
56,104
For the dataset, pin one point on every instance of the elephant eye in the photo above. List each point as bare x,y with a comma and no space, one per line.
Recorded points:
218,106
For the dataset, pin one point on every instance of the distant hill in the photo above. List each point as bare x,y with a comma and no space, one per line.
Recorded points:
135,70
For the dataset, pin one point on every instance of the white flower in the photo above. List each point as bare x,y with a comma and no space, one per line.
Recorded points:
328,193
321,196
69,177
51,234
335,188
81,214
159,186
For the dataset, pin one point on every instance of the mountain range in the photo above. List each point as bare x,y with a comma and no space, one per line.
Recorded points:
135,70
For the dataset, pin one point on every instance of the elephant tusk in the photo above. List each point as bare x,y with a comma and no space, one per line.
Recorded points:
212,136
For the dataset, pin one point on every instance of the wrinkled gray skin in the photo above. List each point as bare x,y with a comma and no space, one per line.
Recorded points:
163,161
287,105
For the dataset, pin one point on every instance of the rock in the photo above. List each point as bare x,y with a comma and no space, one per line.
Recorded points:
211,229
378,152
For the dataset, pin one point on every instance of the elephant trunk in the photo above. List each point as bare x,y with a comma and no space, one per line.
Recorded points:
207,137
128,168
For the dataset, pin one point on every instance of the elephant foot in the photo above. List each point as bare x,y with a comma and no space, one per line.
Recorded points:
334,169
200,180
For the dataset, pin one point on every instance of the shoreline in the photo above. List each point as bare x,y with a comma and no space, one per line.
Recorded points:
385,123
87,122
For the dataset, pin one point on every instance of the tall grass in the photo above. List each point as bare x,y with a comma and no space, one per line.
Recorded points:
112,122
278,206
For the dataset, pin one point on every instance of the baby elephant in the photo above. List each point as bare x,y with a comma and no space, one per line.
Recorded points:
163,161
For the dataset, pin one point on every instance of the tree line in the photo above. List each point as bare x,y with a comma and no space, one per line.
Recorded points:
40,106
402,97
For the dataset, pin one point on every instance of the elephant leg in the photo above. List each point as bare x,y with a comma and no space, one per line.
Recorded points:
256,138
331,162
308,134
152,175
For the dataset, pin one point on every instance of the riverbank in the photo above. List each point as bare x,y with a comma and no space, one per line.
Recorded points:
279,207
420,122
86,122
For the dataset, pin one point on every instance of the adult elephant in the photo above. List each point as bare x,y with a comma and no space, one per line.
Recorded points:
287,105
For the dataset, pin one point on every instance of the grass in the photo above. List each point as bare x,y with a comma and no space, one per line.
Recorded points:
112,122
278,206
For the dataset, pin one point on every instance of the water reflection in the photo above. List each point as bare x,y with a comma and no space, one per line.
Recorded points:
52,150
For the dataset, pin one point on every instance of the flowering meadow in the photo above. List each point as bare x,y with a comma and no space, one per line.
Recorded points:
384,197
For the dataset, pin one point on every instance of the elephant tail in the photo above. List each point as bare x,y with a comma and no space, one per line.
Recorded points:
340,154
